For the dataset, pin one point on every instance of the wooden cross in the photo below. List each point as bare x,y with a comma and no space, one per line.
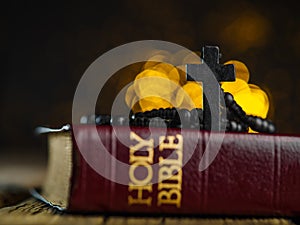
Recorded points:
210,73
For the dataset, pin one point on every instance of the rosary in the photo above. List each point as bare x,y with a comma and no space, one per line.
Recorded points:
236,119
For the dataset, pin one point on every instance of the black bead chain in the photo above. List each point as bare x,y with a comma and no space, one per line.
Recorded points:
170,117
181,118
254,122
237,120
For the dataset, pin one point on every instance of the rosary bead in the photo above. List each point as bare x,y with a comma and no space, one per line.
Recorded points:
160,113
103,120
146,122
228,99
164,114
194,119
184,117
157,122
244,127
227,126
139,121
250,120
173,113
257,125
146,113
271,128
170,113
264,126
139,114
119,120
152,113
200,114
195,115
131,115
233,125
240,128
229,114
173,123
238,110
91,119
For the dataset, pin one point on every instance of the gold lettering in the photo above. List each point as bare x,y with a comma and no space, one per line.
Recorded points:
132,176
168,173
139,196
178,161
169,142
171,145
148,158
140,188
163,185
173,197
141,142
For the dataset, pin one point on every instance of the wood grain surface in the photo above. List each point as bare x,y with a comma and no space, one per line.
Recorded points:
32,212
17,207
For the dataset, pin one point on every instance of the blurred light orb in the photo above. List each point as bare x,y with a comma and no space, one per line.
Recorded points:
247,30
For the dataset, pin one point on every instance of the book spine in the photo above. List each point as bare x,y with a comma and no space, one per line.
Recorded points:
158,172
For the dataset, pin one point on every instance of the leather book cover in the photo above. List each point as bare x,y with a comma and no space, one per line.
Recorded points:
158,171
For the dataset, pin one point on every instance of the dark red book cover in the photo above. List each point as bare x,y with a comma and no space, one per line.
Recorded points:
153,171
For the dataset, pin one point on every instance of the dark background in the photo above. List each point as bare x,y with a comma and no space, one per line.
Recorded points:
46,47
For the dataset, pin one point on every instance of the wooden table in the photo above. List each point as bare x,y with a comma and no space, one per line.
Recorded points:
19,173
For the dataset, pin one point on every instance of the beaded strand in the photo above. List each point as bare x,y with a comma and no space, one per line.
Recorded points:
237,120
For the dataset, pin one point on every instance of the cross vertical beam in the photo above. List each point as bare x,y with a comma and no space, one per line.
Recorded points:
210,73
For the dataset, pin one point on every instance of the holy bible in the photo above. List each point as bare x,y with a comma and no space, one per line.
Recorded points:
156,171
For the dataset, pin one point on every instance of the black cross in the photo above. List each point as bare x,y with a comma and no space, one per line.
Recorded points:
213,102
